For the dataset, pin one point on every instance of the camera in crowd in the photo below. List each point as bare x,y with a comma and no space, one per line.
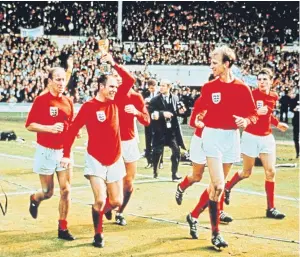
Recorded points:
180,105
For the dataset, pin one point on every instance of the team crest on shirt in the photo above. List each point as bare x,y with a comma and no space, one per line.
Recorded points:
53,111
101,116
259,104
216,97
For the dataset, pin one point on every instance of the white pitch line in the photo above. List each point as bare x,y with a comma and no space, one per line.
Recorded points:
81,187
249,192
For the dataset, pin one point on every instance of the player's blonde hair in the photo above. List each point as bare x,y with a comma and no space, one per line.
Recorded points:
54,70
227,54
266,71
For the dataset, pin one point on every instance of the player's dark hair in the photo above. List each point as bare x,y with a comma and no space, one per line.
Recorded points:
151,82
103,79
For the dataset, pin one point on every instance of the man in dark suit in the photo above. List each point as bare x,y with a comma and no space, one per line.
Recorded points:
284,105
188,103
148,95
164,109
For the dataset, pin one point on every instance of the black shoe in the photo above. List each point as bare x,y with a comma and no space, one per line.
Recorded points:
193,226
218,241
178,195
120,219
149,165
161,166
275,214
227,196
33,208
108,215
224,217
98,241
65,234
155,175
174,177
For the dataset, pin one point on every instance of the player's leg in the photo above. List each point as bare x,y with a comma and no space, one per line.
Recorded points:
249,149
127,191
99,190
196,176
223,216
64,180
216,187
268,162
44,165
47,185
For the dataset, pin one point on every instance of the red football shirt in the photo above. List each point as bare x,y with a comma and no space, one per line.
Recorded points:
48,110
223,100
263,125
127,119
102,123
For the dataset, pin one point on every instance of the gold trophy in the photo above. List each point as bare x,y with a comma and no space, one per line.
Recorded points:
103,46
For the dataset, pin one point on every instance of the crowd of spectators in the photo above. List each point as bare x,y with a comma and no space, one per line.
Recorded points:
169,33
210,21
97,18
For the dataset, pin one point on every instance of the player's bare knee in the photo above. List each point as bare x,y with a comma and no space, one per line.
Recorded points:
65,192
270,174
246,173
116,202
99,203
218,189
48,193
197,177
128,184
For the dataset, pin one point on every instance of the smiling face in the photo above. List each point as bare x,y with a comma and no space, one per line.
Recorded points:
110,88
217,66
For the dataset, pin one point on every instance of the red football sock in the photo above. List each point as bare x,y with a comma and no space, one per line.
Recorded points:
107,206
214,216
126,199
98,221
202,204
235,179
222,202
184,184
270,188
62,225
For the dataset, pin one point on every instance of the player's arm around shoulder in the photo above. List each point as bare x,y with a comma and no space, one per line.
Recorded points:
141,112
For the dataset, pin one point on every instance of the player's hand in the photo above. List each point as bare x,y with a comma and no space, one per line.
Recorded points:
107,57
282,126
168,115
262,110
57,128
65,162
79,134
198,122
240,121
129,108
